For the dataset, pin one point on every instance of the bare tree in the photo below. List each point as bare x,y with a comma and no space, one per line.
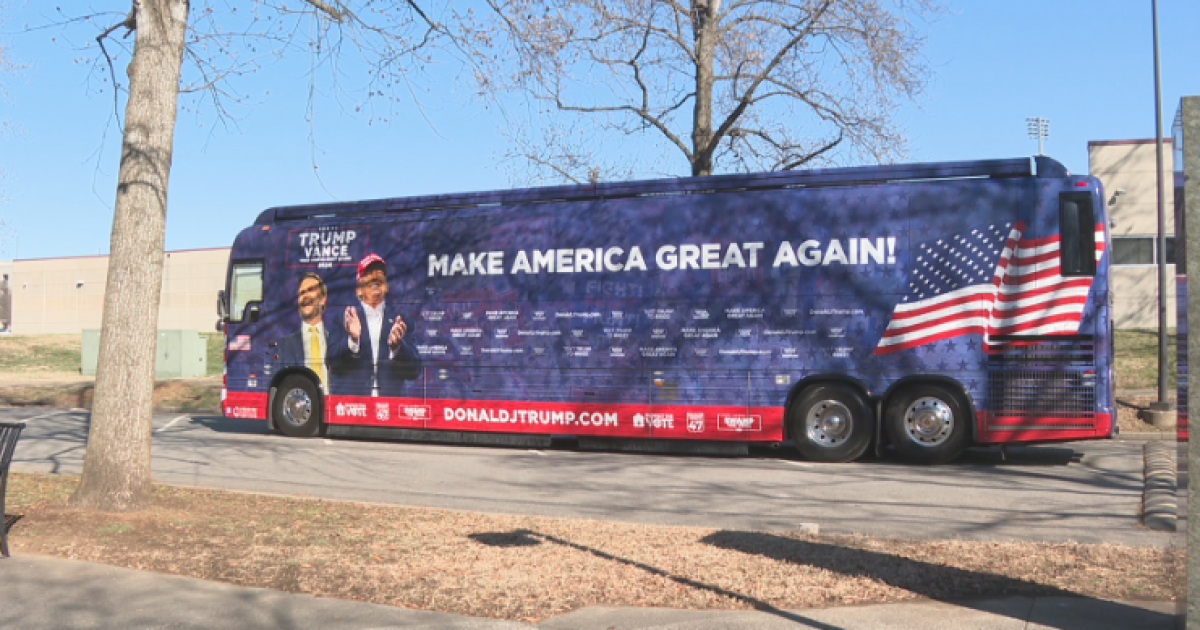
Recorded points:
734,85
116,469
222,40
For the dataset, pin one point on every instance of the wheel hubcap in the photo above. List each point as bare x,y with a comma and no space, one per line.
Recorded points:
929,421
297,407
828,423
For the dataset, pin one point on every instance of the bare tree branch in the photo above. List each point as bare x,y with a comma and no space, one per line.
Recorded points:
130,24
830,71
334,13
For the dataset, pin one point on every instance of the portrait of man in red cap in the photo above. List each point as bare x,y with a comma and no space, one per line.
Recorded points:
381,356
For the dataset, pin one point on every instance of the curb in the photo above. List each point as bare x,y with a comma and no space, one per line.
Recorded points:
1159,508
188,410
1146,436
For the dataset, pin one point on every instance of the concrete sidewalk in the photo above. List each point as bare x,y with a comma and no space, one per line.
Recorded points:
41,593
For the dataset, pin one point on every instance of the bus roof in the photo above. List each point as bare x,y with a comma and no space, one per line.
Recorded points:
1038,166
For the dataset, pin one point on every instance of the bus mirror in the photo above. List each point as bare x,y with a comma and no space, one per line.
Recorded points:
222,311
253,313
221,325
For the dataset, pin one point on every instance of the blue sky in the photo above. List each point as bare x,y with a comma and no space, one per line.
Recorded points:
1087,65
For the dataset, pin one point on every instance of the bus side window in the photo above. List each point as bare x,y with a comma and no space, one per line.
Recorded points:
1077,222
246,286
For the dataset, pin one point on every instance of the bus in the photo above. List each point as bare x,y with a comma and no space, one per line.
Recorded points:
922,308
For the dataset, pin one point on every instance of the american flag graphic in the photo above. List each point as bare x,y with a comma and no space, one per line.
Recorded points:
991,281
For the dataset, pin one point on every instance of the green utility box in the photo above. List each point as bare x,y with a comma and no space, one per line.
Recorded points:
180,353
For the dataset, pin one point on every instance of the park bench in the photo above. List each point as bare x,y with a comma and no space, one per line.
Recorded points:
9,433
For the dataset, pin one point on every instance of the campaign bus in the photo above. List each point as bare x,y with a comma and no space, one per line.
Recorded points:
922,308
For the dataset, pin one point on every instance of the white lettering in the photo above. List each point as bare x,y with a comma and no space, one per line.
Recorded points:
785,255
495,265
666,257
834,253
809,253
521,263
584,259
733,256
635,259
543,261
871,251
689,257
438,265
565,260
609,264
477,260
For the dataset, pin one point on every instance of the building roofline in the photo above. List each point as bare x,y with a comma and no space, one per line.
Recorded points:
1110,143
168,252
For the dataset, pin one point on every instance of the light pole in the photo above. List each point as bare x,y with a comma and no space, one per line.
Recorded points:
1039,128
1162,404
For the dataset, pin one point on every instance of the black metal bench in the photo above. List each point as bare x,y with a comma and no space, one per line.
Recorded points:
9,433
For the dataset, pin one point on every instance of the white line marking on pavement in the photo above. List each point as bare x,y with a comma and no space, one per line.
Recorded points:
800,464
537,452
45,415
171,423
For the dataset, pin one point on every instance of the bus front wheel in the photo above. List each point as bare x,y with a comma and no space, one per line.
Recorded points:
297,408
830,423
927,424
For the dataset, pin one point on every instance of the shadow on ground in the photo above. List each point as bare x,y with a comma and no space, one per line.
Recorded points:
933,581
981,591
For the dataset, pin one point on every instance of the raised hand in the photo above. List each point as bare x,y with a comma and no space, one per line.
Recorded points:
397,332
352,324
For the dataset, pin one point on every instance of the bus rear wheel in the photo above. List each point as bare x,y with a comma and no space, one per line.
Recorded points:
927,424
297,408
830,423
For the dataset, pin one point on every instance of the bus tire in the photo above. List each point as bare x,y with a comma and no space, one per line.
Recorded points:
297,408
927,424
831,423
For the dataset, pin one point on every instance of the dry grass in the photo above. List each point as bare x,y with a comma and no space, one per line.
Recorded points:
530,568
39,357
1137,358
54,359
195,394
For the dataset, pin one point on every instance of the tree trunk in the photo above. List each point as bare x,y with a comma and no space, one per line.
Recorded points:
704,24
116,469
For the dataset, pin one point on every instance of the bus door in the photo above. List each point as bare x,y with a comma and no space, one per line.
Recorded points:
245,349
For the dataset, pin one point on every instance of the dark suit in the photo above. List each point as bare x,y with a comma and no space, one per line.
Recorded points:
290,350
355,372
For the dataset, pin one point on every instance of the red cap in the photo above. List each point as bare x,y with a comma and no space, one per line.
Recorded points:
371,259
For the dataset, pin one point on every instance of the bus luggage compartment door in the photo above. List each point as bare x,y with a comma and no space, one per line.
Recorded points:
701,404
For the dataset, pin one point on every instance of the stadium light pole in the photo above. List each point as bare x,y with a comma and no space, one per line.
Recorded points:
1039,128
1162,404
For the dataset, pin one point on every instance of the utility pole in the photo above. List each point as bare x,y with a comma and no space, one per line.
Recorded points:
1039,128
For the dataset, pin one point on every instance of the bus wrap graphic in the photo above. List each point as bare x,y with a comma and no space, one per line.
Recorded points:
988,282
829,309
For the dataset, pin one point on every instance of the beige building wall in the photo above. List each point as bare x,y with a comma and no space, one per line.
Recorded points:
1131,166
66,295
